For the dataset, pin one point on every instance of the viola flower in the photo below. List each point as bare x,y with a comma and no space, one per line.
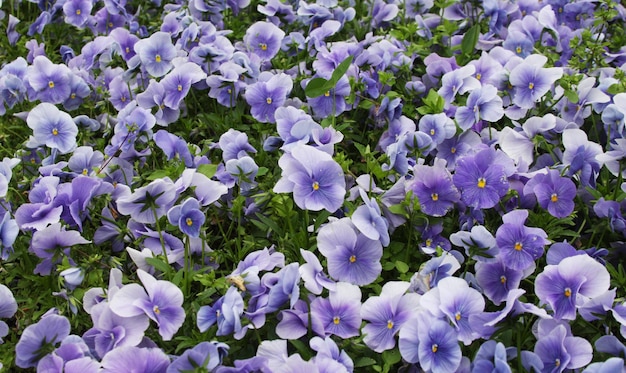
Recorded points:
156,53
339,313
119,94
491,357
226,313
264,39
49,82
173,146
204,355
8,307
268,94
177,83
51,244
559,350
311,272
479,243
154,96
187,217
52,127
565,285
315,179
40,339
350,255
497,280
459,80
124,42
553,192
481,181
148,203
433,187
580,156
77,12
482,104
433,271
519,245
332,102
234,145
531,81
135,359
368,219
438,126
159,300
386,314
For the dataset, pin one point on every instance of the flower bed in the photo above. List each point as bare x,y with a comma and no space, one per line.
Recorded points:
328,186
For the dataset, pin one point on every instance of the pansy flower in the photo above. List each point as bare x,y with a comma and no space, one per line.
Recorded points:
519,245
187,217
531,81
49,82
264,39
268,94
480,179
156,53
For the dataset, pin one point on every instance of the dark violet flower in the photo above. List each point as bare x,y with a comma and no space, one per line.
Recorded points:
156,53
497,280
554,193
135,359
316,180
40,339
482,104
339,313
159,300
268,94
350,255
519,245
187,217
204,355
531,81
52,244
52,127
568,284
481,181
386,314
148,203
264,39
558,350
433,187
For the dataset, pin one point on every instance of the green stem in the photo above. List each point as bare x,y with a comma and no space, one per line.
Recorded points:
161,239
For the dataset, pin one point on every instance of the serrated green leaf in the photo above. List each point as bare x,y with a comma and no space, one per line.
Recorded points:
470,39
207,170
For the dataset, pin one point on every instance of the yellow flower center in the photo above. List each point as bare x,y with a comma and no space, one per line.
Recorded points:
51,84
77,12
429,242
73,96
315,185
557,362
435,197
179,88
518,50
518,246
531,85
389,324
263,46
55,131
503,279
189,222
156,310
157,58
123,98
327,93
336,320
268,100
352,259
567,292
478,76
481,182
432,132
85,171
457,316
453,150
554,197
127,50
434,347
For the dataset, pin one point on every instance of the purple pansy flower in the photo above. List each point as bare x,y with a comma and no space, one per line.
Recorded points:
580,156
264,39
51,244
339,313
204,355
350,255
481,180
148,203
386,314
156,53
77,12
531,80
482,104
226,313
553,192
39,339
49,82
135,359
187,217
438,126
568,284
559,350
315,179
52,127
519,245
497,280
159,300
433,187
367,218
268,94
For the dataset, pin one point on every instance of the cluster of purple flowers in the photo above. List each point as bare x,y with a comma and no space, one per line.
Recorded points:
416,199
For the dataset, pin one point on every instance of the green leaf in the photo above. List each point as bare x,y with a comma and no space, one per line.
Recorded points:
614,89
571,96
158,264
317,87
364,362
402,267
470,39
207,170
341,70
391,357
158,174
